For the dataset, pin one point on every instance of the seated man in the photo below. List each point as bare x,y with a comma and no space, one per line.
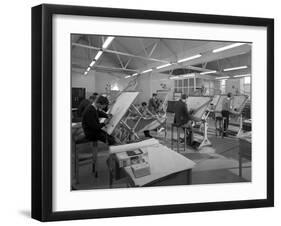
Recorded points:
153,104
146,113
85,103
91,124
182,116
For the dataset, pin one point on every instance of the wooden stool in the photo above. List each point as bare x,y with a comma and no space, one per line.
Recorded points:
221,121
172,135
185,130
93,158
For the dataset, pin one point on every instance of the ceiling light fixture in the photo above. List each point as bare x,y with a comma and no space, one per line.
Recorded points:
146,71
128,76
245,75
207,72
225,77
227,47
134,74
235,68
164,65
107,42
98,55
92,63
189,58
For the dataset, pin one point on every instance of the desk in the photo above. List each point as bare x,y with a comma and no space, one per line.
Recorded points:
167,167
245,150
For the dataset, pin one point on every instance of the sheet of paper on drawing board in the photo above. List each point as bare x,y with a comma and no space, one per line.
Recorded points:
198,105
119,109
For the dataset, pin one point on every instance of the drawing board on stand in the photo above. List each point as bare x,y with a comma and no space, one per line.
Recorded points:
238,102
198,104
119,109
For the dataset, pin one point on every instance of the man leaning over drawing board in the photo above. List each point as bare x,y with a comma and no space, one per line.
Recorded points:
91,124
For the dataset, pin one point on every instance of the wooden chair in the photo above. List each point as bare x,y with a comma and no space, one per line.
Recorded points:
85,158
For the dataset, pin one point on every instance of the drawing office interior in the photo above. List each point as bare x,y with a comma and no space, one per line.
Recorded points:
159,112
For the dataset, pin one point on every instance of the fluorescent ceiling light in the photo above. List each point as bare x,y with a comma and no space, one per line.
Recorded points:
146,71
188,75
107,42
134,74
238,76
98,55
225,77
92,63
235,68
189,58
88,69
173,77
85,73
227,47
164,65
207,72
128,76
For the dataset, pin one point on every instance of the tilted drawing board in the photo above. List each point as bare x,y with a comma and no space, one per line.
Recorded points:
238,102
119,109
196,103
215,100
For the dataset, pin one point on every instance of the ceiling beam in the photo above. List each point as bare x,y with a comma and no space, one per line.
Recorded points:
120,53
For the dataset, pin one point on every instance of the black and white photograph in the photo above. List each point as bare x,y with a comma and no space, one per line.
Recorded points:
149,112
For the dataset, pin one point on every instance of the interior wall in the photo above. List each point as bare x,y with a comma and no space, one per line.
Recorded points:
150,83
144,87
105,80
79,80
233,86
162,82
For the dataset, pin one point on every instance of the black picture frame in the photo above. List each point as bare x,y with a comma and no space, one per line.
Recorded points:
42,111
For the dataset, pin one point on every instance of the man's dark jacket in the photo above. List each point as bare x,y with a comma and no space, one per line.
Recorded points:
181,113
91,124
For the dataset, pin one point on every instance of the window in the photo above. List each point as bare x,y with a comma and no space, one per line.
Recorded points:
222,86
247,85
247,80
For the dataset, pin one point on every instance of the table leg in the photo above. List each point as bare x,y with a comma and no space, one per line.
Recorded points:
189,177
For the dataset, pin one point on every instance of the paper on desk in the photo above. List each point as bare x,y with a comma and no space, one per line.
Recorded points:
133,146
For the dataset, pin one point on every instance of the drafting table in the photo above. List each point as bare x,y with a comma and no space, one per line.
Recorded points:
163,96
238,103
200,104
119,109
167,167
